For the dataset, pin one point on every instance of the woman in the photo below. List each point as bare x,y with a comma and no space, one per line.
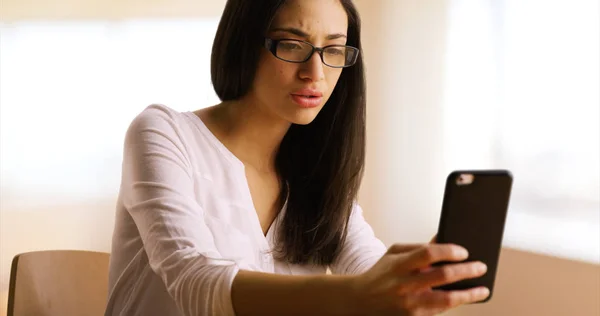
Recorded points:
241,207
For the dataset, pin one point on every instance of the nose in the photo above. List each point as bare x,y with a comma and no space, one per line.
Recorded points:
312,69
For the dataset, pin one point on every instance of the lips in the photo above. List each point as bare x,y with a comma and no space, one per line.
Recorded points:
307,98
307,92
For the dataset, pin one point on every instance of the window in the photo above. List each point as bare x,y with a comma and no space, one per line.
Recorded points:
524,94
70,90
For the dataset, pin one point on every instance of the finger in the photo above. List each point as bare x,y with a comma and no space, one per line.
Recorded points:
402,248
445,274
432,241
433,253
443,300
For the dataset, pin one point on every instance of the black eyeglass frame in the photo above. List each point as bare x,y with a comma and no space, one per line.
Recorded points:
271,45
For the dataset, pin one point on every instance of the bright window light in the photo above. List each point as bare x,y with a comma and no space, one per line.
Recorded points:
523,93
70,89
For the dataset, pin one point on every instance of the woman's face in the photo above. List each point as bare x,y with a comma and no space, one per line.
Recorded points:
280,88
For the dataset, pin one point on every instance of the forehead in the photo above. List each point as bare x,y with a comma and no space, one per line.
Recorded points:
315,17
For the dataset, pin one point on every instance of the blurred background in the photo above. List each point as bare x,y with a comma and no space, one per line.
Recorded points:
456,84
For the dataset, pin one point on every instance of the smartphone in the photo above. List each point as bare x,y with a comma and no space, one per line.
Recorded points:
474,210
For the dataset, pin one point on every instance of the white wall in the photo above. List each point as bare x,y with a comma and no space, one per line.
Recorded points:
404,49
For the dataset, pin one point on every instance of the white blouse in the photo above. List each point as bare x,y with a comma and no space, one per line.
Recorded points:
185,223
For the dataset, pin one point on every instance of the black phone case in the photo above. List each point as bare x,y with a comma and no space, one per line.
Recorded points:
473,216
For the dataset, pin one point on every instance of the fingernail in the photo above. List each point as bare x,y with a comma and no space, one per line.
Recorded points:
484,291
463,253
481,267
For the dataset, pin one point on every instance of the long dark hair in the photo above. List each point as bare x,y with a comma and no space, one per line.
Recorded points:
321,163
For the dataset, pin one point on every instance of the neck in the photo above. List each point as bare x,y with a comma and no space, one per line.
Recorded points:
251,134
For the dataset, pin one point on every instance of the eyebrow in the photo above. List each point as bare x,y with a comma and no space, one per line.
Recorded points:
301,33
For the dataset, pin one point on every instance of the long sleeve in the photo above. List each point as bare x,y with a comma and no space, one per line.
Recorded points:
362,248
158,192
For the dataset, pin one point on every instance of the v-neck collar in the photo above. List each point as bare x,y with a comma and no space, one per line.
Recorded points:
267,240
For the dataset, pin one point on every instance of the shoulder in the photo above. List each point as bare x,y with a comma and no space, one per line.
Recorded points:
357,221
178,136
158,134
357,210
159,121
155,115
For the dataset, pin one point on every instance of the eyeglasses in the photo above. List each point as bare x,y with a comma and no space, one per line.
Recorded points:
297,51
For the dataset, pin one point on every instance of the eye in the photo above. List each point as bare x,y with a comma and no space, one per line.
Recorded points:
289,46
336,51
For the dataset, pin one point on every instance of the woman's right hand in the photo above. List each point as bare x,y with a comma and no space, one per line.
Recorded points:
400,282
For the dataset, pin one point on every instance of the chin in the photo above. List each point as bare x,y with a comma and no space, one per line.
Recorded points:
304,116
